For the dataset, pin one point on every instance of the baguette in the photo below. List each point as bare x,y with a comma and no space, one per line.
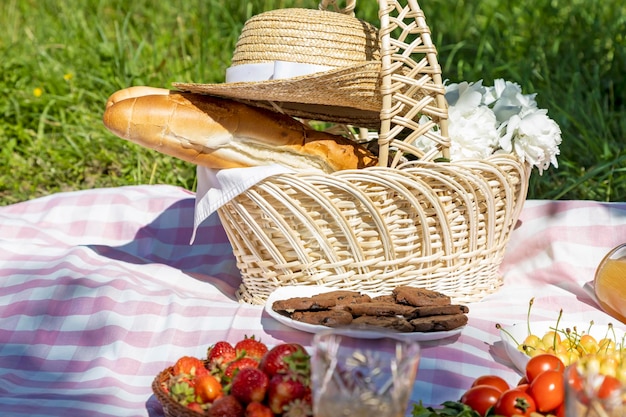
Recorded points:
137,91
220,133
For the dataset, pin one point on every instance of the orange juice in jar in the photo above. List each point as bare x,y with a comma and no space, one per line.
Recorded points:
610,283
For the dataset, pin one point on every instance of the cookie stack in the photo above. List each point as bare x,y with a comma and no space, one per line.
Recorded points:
406,309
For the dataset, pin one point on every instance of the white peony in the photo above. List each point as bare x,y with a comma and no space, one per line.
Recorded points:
509,100
474,133
487,120
534,137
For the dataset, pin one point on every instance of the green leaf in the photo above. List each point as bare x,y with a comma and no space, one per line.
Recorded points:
450,409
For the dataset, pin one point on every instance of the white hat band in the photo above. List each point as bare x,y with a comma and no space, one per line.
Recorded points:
276,70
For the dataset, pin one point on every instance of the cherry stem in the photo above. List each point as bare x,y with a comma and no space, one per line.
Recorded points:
530,304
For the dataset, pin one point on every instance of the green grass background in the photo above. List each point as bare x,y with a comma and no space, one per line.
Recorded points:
60,60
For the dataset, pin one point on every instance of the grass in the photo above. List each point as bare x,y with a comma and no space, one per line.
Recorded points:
62,59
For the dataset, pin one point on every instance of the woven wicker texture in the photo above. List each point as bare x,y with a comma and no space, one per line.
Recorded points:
170,407
442,226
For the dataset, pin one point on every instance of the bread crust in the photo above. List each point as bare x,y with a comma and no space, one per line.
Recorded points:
220,133
136,91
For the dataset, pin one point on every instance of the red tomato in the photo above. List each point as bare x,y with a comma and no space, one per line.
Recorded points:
548,390
515,403
610,387
493,381
522,381
560,411
522,387
480,398
544,362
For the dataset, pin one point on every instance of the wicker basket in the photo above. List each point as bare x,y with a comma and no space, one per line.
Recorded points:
438,225
171,408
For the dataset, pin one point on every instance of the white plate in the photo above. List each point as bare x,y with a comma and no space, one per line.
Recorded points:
283,293
520,331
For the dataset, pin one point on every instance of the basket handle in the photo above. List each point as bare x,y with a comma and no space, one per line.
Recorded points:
332,5
410,88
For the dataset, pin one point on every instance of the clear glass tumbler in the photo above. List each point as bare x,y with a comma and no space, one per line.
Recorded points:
353,376
610,283
591,394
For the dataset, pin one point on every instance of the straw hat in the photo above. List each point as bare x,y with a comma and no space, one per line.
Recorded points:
314,64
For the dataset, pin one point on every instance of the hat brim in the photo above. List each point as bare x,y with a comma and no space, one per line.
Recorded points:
349,95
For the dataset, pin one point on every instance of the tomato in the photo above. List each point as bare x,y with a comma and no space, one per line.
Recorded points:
493,381
548,390
544,362
515,403
609,387
560,411
522,387
480,398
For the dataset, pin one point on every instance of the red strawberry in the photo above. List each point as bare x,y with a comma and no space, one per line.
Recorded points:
190,366
251,347
257,409
181,390
238,364
196,407
284,389
249,385
285,357
221,353
226,406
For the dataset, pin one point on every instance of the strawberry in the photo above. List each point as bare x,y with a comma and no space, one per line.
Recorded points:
251,347
249,385
285,357
196,407
189,365
257,409
284,389
226,406
221,354
299,408
238,364
181,389
207,388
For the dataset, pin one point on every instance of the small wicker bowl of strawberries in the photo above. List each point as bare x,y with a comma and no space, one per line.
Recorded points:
245,379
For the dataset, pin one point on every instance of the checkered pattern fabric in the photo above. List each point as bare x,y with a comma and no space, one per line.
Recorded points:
101,289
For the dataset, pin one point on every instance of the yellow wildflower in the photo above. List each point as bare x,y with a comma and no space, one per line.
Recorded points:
37,91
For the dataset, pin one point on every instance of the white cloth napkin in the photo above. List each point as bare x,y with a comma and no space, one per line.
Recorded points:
217,187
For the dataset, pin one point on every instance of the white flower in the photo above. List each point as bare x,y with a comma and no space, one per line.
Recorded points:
487,120
509,100
474,133
534,137
465,94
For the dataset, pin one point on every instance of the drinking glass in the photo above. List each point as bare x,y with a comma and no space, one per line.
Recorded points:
353,376
587,396
610,283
